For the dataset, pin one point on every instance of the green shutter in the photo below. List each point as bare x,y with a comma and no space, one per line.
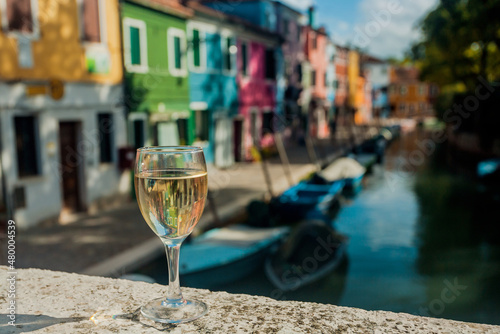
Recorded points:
196,48
229,43
177,47
135,46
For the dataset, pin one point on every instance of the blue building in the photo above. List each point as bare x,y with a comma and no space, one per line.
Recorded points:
274,17
213,87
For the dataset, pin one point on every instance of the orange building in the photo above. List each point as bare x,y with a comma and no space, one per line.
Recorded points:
408,96
61,113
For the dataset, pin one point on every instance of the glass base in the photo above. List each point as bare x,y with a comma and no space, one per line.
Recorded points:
160,310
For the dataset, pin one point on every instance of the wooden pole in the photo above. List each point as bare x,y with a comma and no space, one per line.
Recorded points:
267,176
312,153
283,157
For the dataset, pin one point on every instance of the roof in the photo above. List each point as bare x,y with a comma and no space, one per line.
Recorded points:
172,7
198,7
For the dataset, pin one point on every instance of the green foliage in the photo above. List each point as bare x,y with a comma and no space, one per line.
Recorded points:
461,41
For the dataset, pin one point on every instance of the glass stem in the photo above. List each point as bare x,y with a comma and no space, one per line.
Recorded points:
174,294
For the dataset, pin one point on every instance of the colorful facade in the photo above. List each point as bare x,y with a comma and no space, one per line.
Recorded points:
213,87
341,85
315,92
61,114
157,77
289,27
257,89
408,96
260,72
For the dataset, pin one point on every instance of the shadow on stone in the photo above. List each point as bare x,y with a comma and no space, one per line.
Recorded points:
26,323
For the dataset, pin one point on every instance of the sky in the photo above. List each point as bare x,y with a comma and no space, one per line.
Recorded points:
384,28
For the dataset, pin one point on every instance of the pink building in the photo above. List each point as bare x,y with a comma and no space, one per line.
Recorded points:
257,92
316,54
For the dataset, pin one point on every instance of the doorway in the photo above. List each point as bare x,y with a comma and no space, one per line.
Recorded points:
71,163
238,139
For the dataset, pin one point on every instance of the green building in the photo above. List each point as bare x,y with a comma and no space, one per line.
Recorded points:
156,72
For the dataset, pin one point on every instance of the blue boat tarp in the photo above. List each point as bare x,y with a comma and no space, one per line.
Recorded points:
223,246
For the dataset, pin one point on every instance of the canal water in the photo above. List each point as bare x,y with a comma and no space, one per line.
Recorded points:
423,240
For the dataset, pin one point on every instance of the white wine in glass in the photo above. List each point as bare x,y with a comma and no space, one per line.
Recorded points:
171,188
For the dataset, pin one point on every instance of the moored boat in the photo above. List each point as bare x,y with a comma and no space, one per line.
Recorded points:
346,169
297,201
309,254
227,254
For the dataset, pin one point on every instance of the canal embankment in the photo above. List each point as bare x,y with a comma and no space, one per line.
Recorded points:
72,303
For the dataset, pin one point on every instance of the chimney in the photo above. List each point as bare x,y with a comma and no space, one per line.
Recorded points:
311,16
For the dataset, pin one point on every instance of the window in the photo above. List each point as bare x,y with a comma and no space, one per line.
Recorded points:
325,78
402,107
176,52
105,128
403,90
26,146
135,45
268,122
196,48
412,108
315,41
19,16
422,90
202,125
228,52
91,21
336,84
244,59
299,33
422,106
270,64
313,78
286,27
392,89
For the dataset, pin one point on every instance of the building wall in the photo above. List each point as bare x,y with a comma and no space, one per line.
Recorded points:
210,85
163,90
408,96
57,51
68,80
341,72
353,75
318,59
256,93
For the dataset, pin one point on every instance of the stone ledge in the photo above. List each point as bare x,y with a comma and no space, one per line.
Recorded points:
56,302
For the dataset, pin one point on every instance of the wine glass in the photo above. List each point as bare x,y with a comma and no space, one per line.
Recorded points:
171,188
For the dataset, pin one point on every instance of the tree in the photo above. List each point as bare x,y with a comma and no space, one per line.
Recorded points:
461,42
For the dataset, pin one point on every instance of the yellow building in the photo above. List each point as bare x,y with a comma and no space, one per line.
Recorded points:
61,118
353,76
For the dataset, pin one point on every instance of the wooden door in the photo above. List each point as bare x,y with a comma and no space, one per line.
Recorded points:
71,163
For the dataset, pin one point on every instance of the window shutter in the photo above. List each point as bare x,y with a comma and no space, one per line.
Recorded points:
19,15
135,46
196,48
177,48
91,24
